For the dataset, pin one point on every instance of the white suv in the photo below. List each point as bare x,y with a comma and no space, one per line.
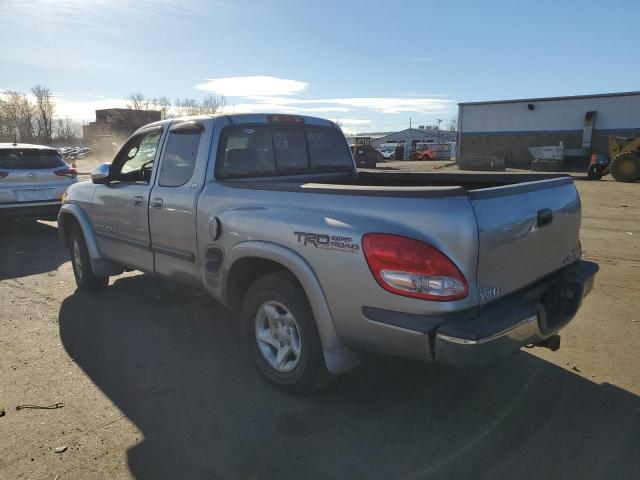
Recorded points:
33,179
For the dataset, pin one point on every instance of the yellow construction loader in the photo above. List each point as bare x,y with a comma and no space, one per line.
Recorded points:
623,163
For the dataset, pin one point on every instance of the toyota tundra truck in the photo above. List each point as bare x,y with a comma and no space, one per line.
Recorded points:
321,261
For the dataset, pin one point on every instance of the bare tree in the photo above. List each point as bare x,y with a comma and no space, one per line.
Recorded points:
66,130
18,116
137,101
45,110
181,107
212,104
452,124
163,105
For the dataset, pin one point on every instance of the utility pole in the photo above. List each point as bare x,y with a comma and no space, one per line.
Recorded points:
406,148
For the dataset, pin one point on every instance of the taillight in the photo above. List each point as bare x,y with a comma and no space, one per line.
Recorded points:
285,119
412,268
594,158
67,172
3,174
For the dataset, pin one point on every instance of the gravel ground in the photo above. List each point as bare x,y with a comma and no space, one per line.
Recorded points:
155,385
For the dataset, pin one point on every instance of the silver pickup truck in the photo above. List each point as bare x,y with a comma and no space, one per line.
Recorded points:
322,261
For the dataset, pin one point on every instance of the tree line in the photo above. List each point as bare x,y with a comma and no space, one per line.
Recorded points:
209,105
31,118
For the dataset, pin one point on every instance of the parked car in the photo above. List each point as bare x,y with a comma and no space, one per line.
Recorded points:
387,153
33,179
322,261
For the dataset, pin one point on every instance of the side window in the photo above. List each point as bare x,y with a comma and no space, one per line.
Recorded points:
178,159
291,149
247,151
139,155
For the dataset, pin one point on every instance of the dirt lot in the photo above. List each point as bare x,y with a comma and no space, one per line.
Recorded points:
155,384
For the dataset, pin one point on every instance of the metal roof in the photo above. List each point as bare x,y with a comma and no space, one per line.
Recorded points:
446,134
548,99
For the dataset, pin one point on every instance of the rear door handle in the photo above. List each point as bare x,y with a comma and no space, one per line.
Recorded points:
156,203
137,200
545,217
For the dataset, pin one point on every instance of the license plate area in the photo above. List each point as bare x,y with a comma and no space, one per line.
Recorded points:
33,194
557,301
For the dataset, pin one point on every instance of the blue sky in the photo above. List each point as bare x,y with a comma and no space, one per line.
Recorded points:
370,64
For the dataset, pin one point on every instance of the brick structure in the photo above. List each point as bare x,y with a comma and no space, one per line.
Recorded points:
113,126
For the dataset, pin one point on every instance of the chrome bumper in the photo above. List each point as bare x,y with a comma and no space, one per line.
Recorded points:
529,318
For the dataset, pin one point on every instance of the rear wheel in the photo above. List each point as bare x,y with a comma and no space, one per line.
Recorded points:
85,278
281,335
626,167
594,173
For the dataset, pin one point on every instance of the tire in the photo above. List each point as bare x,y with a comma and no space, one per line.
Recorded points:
278,299
85,278
594,173
391,157
626,167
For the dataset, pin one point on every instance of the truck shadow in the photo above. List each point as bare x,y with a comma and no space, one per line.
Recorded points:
22,244
170,359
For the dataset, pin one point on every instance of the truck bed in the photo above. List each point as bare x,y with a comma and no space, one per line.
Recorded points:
405,184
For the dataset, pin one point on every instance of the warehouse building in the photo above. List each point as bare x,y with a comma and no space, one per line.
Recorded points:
508,128
410,136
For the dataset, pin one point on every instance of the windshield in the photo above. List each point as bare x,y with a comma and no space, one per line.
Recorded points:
264,150
30,159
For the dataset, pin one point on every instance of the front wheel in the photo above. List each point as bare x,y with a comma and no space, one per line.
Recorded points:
85,278
594,173
626,167
281,335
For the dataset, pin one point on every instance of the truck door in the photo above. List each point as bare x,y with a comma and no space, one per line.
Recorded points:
173,201
119,211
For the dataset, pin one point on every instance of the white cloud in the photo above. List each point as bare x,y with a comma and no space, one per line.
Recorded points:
257,85
352,121
85,109
377,104
263,93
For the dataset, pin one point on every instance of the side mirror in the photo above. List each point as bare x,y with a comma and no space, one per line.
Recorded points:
100,174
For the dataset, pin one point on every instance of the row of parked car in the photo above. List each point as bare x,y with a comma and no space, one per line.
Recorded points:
73,152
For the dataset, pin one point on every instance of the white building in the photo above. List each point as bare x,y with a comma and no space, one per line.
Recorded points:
509,127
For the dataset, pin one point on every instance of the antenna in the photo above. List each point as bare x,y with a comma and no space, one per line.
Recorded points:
15,139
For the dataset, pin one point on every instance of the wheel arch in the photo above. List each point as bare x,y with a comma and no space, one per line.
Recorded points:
71,214
249,260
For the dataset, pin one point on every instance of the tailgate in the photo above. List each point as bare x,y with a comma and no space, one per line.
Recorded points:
525,231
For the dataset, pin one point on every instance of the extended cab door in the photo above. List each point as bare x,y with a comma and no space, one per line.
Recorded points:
173,201
120,207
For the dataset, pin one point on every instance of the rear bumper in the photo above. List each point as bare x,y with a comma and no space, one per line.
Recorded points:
47,209
529,317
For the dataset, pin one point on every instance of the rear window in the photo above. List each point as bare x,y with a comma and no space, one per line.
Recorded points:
260,151
30,159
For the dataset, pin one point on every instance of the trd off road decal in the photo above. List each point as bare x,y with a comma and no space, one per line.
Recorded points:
327,242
